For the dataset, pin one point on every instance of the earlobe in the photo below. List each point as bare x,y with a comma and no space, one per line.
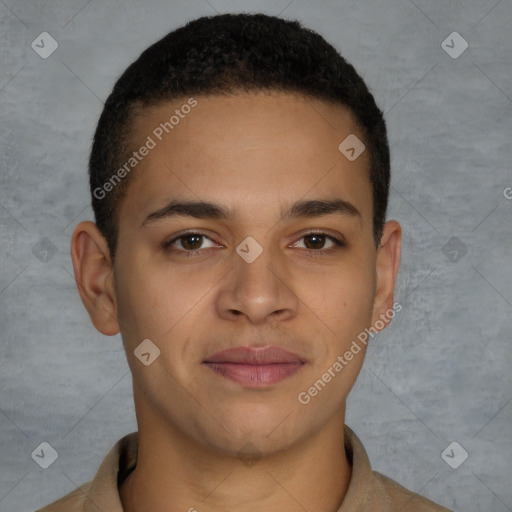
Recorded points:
387,265
94,276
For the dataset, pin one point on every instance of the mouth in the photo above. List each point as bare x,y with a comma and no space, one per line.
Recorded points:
255,367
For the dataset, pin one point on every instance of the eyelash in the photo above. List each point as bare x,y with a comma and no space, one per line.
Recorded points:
339,244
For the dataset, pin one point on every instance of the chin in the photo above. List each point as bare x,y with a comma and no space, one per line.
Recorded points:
268,431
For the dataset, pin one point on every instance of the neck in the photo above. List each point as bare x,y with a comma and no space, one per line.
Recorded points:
174,474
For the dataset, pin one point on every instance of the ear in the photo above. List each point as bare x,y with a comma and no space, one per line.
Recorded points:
94,276
388,262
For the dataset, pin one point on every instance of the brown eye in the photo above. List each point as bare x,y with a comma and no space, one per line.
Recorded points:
188,243
191,242
315,241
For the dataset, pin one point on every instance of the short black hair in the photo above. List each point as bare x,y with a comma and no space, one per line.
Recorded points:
226,54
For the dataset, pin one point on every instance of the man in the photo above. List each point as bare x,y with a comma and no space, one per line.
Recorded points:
239,178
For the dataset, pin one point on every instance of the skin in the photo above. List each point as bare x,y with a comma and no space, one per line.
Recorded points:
255,154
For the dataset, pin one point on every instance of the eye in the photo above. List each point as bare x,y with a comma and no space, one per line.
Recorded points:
316,241
189,243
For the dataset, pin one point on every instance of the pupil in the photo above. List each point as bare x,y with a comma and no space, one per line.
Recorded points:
319,239
192,245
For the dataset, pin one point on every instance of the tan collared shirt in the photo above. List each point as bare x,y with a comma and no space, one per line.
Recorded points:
368,490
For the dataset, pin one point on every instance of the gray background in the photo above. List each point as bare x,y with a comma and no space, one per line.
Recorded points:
439,373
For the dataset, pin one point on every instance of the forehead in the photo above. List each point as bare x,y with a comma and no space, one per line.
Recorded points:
250,148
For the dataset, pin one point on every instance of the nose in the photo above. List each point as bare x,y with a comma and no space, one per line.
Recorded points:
258,291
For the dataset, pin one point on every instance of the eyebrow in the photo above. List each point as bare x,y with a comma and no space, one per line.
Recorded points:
320,207
197,209
209,210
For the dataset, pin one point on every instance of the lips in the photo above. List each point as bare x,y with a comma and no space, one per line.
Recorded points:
255,366
254,356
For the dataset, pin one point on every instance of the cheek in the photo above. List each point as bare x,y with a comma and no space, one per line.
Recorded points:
341,298
154,301
342,303
143,296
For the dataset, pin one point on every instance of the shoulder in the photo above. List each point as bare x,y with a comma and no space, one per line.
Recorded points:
400,498
72,502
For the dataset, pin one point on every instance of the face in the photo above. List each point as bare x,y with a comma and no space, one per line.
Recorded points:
273,254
